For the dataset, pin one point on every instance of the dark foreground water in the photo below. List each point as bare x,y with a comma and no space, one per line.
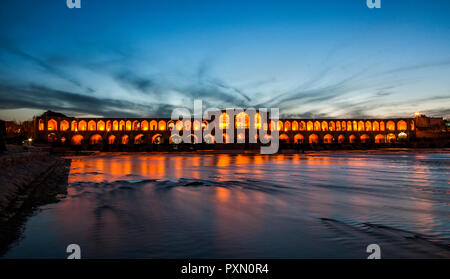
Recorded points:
324,205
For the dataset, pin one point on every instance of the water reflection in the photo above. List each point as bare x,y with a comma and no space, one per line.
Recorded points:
287,206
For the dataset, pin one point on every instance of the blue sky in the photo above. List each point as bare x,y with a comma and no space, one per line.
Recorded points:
315,58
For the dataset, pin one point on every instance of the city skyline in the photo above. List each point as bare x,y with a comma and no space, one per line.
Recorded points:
144,58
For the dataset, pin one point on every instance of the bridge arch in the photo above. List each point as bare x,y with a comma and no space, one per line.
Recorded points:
299,138
314,139
95,139
332,126
82,125
294,126
361,126
375,126
52,125
115,125
328,139
341,139
390,125
128,125
64,125
365,139
287,126
390,138
139,139
125,139
402,125
157,139
144,125
101,125
41,125
380,138
352,139
77,140
153,125
74,126
284,138
52,137
368,126
136,125
317,126
111,139
162,125
92,126
324,126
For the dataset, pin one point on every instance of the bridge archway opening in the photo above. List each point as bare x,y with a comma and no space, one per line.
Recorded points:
139,139
402,136
128,125
299,139
95,139
162,125
52,137
284,138
111,139
380,139
294,126
287,126
153,125
332,126
170,125
144,125
376,126
390,125
77,140
341,139
136,125
52,125
157,139
352,139
41,125
92,126
328,139
402,125
390,138
64,125
324,126
365,139
302,126
314,139
368,126
101,125
125,139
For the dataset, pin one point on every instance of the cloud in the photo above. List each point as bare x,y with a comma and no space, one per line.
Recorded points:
43,98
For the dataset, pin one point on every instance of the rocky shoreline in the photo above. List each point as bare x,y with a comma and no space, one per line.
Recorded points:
28,179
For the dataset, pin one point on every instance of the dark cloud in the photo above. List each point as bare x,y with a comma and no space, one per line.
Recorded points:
39,97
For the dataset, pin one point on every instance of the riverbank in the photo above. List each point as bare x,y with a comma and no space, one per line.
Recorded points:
29,178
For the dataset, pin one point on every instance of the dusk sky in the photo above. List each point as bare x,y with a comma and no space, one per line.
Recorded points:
142,58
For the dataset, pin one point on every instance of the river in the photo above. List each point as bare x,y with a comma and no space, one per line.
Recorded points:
187,205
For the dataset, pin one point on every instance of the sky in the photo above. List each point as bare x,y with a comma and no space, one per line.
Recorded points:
143,58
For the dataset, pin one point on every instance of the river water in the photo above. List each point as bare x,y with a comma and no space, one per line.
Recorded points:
318,205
